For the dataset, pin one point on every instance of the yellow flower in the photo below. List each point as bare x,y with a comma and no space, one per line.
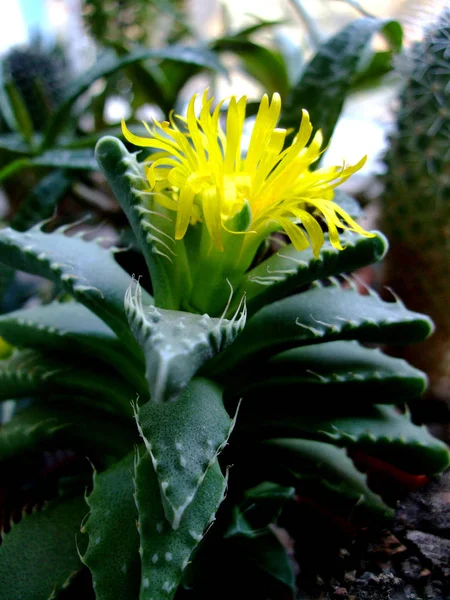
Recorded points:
200,172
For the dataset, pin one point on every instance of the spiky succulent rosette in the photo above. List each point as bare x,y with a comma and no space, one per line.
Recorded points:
265,355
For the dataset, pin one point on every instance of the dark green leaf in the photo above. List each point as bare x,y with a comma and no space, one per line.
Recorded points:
165,552
38,557
183,438
324,314
287,270
113,552
327,79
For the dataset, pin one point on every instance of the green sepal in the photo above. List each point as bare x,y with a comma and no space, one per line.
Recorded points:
113,551
329,469
176,344
347,369
183,439
83,268
322,314
72,328
39,556
288,269
380,431
86,429
165,552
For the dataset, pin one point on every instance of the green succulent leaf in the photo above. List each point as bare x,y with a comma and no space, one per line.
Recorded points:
71,328
183,439
377,430
325,313
113,551
84,269
288,269
81,427
165,552
39,556
327,79
63,158
176,344
28,373
329,469
353,372
152,227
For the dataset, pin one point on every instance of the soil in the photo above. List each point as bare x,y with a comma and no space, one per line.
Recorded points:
410,561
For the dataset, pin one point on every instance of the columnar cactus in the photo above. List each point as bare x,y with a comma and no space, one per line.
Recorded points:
416,200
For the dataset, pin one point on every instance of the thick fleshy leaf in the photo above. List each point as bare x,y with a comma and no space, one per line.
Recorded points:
165,552
73,425
84,269
327,79
71,328
176,344
113,551
152,226
183,438
326,313
288,269
63,158
28,373
346,370
378,430
329,469
39,556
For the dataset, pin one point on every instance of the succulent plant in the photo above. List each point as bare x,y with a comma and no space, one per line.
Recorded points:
164,392
415,202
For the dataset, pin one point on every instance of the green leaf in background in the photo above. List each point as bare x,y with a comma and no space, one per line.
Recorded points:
39,556
265,65
327,79
63,158
41,203
165,552
184,438
113,551
109,64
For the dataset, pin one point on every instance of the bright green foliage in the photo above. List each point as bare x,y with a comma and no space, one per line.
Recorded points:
162,400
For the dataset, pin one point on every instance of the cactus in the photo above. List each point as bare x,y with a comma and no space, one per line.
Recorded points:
40,77
415,211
